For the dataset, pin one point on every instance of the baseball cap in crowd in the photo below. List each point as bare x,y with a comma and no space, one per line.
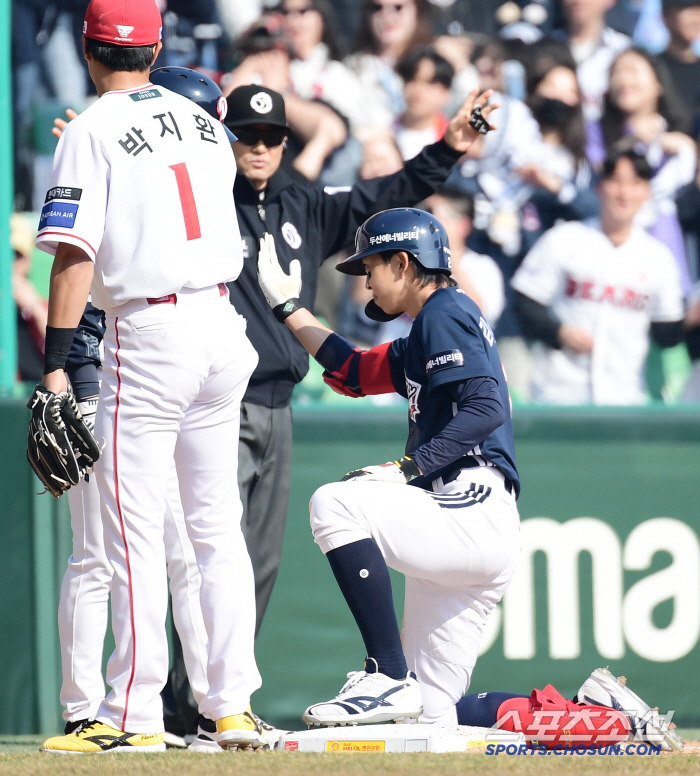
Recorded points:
123,22
668,4
255,105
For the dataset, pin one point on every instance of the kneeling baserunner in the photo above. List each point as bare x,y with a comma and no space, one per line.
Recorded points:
453,532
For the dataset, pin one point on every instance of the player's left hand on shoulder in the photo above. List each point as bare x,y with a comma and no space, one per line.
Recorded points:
277,286
470,121
61,124
399,472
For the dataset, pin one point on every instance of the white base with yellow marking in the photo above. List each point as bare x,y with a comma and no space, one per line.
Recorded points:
395,738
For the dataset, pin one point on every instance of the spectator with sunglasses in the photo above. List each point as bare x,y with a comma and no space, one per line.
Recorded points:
309,223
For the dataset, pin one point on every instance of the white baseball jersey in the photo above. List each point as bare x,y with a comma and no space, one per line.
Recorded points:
613,293
134,161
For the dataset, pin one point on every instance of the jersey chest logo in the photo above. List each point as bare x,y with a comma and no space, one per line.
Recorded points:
291,235
413,390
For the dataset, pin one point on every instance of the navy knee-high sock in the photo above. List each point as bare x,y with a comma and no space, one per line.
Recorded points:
363,578
480,710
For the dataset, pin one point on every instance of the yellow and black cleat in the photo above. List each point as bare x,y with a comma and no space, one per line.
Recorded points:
240,731
98,738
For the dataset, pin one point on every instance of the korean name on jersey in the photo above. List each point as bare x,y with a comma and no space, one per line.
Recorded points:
132,162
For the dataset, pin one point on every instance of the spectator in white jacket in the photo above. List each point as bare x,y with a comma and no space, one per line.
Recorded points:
317,71
593,46
388,30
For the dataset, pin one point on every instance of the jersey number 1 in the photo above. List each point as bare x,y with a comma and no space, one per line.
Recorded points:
189,208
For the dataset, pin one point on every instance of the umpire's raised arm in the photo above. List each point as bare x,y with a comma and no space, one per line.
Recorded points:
341,211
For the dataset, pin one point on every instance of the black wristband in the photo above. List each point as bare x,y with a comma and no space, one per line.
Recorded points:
283,311
409,468
57,347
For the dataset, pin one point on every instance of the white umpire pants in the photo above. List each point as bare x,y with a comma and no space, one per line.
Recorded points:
83,606
458,550
173,379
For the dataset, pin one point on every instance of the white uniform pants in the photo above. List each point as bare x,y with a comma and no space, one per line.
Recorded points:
82,610
173,379
458,550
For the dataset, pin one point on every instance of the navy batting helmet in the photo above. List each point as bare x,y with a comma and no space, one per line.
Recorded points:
401,229
196,87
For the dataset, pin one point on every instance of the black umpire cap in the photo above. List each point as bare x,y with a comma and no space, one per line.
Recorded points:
255,105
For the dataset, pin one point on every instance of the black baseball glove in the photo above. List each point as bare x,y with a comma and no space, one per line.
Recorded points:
60,446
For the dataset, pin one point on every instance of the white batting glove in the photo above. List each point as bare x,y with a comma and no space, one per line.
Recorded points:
399,472
88,408
277,286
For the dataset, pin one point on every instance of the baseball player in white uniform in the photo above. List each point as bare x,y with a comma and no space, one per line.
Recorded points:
141,215
82,614
590,292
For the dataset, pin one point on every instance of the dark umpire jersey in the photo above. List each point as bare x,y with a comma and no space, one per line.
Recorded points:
311,223
450,342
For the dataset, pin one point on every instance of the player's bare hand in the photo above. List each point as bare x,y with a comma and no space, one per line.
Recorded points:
459,133
575,339
61,124
55,381
277,286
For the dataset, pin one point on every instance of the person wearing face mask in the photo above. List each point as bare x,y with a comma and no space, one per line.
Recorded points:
562,178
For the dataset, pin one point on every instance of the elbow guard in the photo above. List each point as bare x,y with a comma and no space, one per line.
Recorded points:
354,372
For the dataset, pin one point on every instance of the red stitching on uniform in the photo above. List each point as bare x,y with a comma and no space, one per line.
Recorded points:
127,91
74,236
121,522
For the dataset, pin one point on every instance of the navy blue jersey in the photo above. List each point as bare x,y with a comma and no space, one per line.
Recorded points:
450,342
85,348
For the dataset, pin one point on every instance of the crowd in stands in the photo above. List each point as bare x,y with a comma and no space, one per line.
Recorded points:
598,125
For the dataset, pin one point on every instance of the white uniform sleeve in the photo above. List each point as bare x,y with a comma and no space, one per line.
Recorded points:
677,171
540,276
76,202
666,303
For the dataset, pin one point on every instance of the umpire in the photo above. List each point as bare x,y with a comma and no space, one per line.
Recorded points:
309,223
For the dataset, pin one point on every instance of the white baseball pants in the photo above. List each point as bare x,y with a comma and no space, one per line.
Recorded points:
458,549
173,379
83,606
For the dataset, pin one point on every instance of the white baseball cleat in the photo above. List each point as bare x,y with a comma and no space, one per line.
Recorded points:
368,698
603,688
271,734
207,737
